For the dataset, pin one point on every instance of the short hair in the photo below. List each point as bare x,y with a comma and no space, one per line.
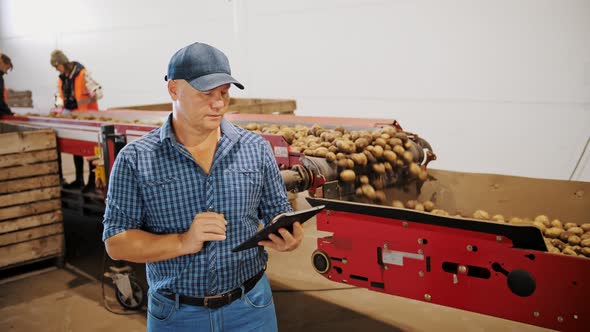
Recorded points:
6,60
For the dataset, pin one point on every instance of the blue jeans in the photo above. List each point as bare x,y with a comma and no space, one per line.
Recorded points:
255,311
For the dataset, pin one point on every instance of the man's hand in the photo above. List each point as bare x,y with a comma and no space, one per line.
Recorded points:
287,241
206,226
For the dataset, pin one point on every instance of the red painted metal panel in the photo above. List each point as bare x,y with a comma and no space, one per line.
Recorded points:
77,147
559,300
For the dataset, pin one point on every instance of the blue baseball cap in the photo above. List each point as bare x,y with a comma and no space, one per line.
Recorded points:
203,66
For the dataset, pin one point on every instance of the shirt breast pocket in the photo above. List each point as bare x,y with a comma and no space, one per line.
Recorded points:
243,185
165,197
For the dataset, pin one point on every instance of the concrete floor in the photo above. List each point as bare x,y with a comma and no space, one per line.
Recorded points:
40,297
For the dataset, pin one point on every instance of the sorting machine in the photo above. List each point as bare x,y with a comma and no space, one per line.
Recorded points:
500,270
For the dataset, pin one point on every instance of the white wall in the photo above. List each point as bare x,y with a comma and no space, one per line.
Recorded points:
495,86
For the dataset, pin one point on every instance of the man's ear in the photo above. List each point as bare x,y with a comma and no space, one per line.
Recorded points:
173,89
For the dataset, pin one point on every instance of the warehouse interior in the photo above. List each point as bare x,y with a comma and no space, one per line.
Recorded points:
500,90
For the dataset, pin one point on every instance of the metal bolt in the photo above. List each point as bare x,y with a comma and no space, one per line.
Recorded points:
420,241
329,212
560,319
575,316
427,297
330,276
499,238
469,247
344,260
344,280
385,246
386,267
462,269
421,273
405,224
536,314
420,251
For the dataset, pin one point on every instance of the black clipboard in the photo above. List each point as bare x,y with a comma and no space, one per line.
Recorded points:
285,220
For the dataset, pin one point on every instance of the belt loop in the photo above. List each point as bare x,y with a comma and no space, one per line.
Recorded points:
243,292
177,301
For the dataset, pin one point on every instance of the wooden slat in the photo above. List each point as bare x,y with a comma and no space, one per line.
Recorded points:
29,209
16,172
17,94
14,142
29,183
263,106
31,234
19,159
30,196
26,251
32,221
236,105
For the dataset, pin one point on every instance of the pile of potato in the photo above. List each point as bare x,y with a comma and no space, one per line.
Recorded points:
90,117
566,238
368,161
561,238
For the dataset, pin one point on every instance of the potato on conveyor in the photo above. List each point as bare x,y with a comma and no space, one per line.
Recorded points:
544,219
498,218
553,232
481,214
398,204
576,231
428,205
347,175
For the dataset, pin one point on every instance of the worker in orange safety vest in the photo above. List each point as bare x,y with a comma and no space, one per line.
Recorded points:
76,91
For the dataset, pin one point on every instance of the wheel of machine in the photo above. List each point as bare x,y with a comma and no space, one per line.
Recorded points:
138,296
320,261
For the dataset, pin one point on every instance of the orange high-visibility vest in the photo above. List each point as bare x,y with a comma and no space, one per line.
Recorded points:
81,93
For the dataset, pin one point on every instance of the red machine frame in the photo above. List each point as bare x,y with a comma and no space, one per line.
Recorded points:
495,269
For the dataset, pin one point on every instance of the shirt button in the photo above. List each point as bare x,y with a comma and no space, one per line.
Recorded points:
210,208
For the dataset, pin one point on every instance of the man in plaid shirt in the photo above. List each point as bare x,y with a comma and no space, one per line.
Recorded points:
181,197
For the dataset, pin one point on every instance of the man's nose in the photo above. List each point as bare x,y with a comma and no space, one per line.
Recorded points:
218,102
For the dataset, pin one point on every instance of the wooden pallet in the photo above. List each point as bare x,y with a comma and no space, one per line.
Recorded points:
236,105
31,227
19,98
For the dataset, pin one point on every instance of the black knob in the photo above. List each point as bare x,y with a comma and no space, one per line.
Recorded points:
521,283
320,261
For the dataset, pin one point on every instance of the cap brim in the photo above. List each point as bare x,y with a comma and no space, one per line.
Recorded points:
212,81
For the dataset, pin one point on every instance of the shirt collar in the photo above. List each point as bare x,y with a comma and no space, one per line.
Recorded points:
227,129
166,130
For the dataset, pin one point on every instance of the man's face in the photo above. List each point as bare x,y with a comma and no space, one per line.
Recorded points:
201,110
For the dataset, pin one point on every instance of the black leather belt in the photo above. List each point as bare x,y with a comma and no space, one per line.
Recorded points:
217,301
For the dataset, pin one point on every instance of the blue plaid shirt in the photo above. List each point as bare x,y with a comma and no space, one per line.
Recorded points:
157,186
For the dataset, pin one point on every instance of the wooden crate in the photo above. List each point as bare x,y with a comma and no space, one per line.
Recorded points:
236,105
19,98
31,227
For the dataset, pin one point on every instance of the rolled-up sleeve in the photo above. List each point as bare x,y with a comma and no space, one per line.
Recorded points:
274,195
124,204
